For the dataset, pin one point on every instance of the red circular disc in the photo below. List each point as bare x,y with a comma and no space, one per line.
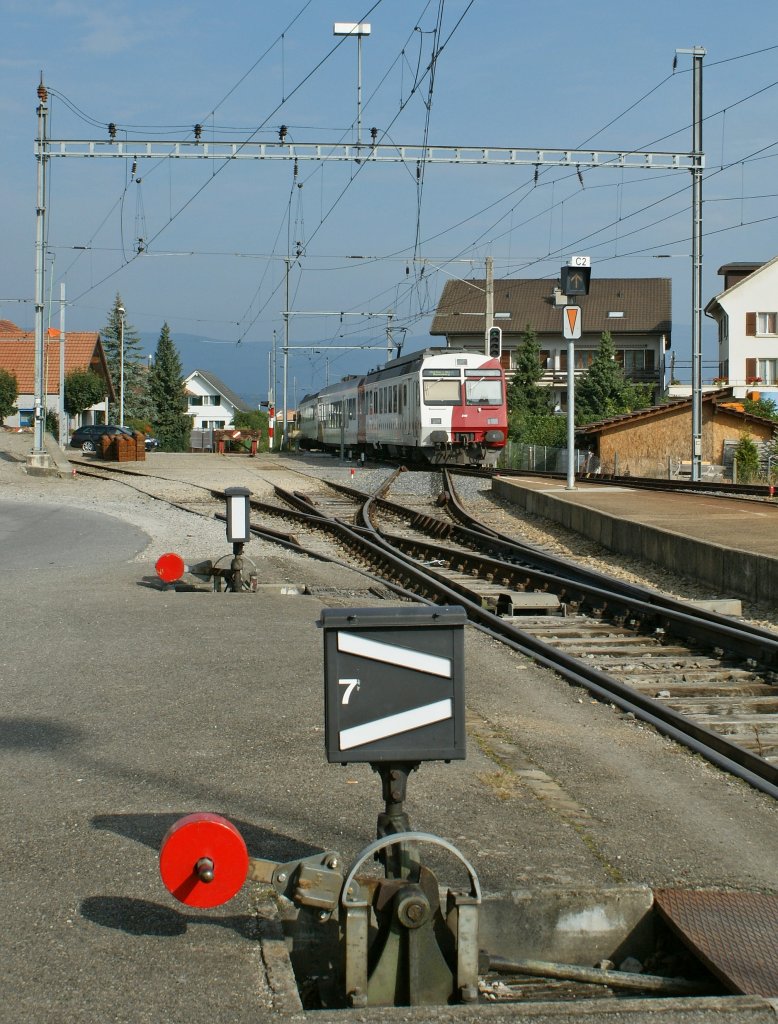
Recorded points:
200,836
170,567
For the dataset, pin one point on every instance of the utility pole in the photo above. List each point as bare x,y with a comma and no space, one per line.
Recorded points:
39,458
489,302
698,53
389,339
284,425
63,431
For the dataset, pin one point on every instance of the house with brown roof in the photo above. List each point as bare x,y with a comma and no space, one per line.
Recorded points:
83,350
636,311
656,442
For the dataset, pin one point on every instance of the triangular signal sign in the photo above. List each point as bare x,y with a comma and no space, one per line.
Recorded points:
572,323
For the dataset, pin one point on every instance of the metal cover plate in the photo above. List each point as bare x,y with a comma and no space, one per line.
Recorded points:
735,934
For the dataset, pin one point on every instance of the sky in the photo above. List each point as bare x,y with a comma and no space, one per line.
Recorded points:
203,245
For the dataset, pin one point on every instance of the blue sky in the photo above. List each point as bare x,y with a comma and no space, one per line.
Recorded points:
510,74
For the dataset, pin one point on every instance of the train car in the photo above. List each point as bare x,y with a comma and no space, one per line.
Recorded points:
439,405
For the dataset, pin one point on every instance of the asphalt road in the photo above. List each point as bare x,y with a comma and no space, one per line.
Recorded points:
123,707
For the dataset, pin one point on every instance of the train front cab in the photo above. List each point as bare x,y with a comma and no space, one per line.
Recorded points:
476,402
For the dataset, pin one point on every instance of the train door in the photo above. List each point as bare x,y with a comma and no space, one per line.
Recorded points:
361,413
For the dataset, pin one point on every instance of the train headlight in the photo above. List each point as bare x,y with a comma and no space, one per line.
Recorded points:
494,437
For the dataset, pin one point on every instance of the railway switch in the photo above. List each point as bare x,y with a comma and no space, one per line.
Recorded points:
394,696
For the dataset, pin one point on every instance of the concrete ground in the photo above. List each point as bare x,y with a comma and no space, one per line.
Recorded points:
124,706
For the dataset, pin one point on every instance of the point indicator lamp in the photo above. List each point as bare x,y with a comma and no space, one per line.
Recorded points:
238,528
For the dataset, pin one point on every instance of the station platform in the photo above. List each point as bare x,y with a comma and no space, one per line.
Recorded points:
730,544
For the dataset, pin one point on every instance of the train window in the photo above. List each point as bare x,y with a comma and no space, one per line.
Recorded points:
404,399
483,387
394,398
442,391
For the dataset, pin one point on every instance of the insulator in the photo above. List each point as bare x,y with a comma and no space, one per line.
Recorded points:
112,130
282,132
373,134
134,168
198,131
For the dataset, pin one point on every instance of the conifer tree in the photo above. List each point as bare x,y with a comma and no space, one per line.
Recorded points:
603,391
524,392
136,394
168,398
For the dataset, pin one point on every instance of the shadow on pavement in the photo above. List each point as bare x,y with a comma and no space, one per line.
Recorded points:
150,829
37,734
142,917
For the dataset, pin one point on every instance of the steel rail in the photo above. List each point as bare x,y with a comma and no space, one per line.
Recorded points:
478,537
368,544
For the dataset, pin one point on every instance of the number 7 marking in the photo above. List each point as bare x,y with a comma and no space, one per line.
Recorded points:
350,685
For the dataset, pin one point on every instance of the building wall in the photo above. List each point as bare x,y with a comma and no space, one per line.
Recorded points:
208,416
757,294
638,445
25,405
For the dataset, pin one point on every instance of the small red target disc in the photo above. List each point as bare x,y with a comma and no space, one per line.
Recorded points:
170,567
199,837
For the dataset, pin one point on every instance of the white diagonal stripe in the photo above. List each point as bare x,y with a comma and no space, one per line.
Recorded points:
379,729
391,655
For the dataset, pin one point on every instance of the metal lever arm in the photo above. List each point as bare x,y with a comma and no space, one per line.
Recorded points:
314,881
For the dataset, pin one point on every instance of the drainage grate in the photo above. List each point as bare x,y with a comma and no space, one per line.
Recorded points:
735,934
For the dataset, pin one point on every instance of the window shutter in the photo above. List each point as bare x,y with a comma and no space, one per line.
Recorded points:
563,360
750,325
750,369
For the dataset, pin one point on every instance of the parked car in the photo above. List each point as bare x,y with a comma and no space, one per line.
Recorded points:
87,438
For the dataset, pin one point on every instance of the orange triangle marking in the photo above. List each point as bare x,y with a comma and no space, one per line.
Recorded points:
571,312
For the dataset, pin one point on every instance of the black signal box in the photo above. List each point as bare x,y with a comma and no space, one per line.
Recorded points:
394,684
575,280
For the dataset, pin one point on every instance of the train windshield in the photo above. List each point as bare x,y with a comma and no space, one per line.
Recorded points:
442,387
483,387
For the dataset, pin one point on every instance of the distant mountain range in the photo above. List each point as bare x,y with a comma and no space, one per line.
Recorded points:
244,367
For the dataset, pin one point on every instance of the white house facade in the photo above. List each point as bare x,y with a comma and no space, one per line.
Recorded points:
746,313
211,404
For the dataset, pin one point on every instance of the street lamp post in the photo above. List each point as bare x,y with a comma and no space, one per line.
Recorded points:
121,312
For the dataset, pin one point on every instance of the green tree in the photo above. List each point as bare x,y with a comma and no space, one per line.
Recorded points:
536,428
168,397
604,391
746,459
9,389
137,400
524,394
761,407
83,389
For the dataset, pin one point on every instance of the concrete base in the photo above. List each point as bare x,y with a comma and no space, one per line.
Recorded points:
39,464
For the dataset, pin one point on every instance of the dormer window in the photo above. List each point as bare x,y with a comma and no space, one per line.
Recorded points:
615,314
502,316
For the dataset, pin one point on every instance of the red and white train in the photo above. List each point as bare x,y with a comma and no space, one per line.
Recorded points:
439,405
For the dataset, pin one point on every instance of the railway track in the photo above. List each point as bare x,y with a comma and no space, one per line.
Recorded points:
702,678
698,676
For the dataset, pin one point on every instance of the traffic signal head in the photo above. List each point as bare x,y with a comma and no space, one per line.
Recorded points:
495,342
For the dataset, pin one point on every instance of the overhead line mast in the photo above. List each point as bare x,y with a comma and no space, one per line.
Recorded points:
377,152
